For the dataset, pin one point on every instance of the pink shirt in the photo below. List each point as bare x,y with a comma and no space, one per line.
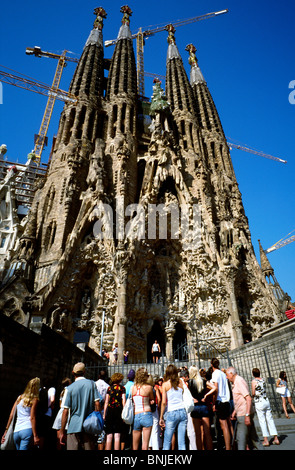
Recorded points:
240,390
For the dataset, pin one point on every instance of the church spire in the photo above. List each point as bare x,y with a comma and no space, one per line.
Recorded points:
196,75
80,126
121,97
172,52
124,32
207,113
264,262
180,96
89,75
95,36
122,74
269,274
214,139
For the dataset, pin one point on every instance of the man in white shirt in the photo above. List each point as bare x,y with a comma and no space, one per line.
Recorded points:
101,384
222,402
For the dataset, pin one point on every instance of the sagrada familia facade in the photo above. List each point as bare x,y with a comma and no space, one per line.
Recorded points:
103,250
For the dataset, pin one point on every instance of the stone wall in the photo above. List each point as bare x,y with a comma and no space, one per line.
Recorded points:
27,354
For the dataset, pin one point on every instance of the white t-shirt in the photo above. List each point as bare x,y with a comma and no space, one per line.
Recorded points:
51,397
102,387
219,377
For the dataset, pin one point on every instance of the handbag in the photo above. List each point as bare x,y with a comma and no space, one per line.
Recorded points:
281,390
94,423
128,411
188,400
9,444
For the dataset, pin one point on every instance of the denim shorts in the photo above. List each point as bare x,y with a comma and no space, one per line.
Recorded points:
200,411
143,420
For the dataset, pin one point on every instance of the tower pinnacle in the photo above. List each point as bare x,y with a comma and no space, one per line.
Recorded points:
100,14
172,48
196,75
95,36
124,32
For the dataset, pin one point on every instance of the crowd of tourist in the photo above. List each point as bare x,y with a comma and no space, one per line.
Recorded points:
221,414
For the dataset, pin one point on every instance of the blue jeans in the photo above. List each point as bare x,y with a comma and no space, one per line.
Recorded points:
23,439
175,419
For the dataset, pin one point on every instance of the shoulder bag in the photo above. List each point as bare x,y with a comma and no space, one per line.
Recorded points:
128,410
188,399
94,423
8,444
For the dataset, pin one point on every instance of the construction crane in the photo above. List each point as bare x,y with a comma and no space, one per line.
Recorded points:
140,36
53,93
251,150
40,139
23,81
283,242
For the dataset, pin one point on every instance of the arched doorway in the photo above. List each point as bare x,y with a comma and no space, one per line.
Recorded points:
158,334
179,344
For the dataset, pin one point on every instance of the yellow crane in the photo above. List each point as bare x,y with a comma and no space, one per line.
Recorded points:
40,138
11,77
140,36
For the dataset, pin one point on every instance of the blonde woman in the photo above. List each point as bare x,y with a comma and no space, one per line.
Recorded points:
201,414
25,433
143,398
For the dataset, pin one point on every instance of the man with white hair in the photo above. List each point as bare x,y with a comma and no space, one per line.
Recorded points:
243,411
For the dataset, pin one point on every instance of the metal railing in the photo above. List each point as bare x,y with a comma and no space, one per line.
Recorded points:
269,359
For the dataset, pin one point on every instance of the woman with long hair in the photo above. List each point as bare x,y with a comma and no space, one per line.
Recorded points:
201,414
175,416
143,398
286,397
25,430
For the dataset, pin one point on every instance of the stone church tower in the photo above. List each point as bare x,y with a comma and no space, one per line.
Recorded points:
139,231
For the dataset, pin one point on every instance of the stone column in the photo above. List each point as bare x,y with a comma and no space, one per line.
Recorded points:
121,319
237,336
169,333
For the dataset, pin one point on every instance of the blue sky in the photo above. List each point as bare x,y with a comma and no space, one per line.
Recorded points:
247,59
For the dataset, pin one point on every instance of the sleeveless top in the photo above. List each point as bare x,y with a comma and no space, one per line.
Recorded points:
175,399
23,420
141,402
